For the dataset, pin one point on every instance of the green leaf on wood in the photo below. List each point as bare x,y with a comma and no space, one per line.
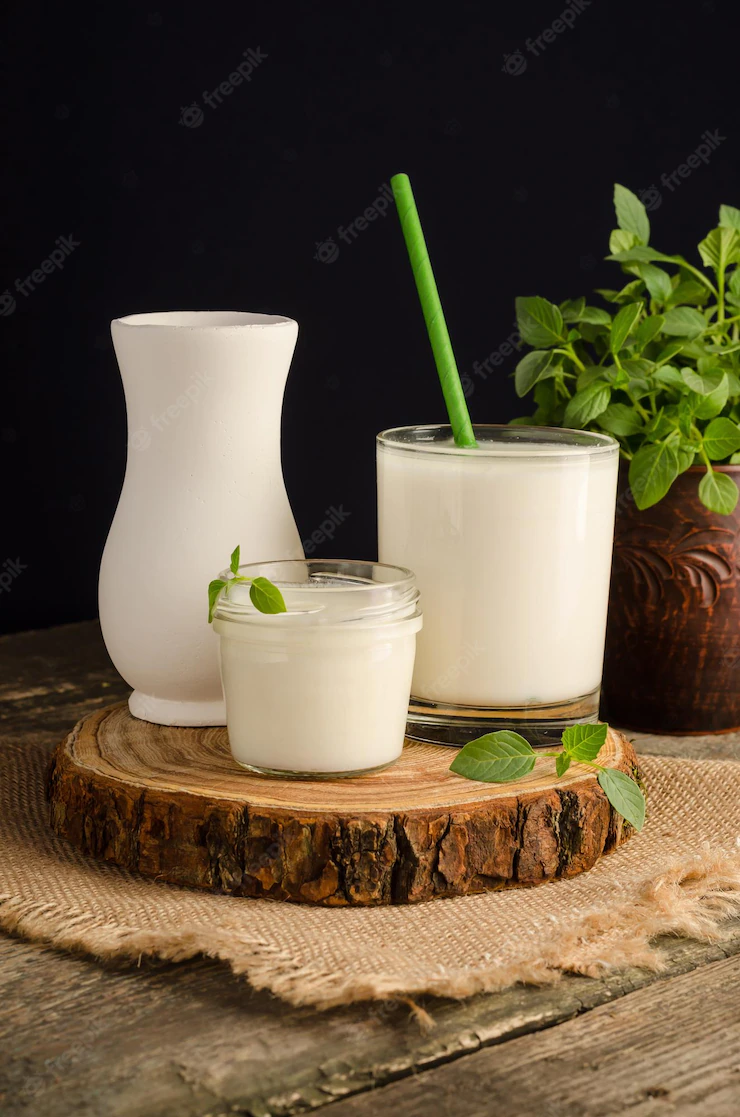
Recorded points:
584,742
562,763
495,758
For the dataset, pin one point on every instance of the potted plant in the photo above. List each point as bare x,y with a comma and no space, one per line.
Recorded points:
660,371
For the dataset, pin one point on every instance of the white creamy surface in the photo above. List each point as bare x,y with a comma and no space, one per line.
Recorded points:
512,557
319,699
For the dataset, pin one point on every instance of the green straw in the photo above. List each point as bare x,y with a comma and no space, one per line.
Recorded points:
444,358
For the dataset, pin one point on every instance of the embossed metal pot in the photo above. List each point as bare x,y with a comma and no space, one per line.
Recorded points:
673,637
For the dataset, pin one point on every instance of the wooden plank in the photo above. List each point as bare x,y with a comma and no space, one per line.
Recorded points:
78,1037
673,1047
189,1040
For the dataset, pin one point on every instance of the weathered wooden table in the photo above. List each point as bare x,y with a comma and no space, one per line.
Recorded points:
78,1037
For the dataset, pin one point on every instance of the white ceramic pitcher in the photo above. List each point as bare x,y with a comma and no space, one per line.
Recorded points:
204,395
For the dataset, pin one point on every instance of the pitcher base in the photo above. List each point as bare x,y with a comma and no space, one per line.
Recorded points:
164,711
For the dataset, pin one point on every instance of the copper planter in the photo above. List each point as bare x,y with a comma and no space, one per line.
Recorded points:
673,638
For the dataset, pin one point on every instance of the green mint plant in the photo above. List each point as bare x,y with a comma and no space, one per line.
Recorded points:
659,370
265,596
504,756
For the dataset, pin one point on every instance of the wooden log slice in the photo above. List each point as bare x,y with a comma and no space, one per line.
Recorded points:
172,804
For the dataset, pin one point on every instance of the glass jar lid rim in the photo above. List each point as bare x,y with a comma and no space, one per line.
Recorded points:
331,591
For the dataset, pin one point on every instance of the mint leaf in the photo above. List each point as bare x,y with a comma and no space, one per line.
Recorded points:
721,438
686,454
562,763
720,248
214,592
533,368
595,316
657,281
586,405
718,492
703,384
707,406
671,349
624,795
623,324
266,597
647,330
495,758
620,240
729,217
571,309
642,254
734,282
631,213
540,322
670,376
684,321
620,419
234,564
591,373
689,291
653,470
584,742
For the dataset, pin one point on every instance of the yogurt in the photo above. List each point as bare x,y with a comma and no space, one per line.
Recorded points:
322,690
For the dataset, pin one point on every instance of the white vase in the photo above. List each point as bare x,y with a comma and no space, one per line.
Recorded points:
204,395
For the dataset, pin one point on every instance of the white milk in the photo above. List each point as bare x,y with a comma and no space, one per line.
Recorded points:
511,545
323,689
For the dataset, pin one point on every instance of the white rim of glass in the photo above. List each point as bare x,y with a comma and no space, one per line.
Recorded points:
497,440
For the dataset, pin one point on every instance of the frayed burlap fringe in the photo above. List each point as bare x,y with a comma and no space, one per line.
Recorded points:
605,920
691,900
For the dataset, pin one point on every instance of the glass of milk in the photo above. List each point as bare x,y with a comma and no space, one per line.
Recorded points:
511,544
322,690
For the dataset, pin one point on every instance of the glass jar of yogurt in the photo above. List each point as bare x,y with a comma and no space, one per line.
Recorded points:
511,544
322,690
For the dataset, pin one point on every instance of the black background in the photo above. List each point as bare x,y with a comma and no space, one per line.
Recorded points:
512,160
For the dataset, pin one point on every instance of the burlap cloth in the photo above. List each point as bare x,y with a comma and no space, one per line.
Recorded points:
680,876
